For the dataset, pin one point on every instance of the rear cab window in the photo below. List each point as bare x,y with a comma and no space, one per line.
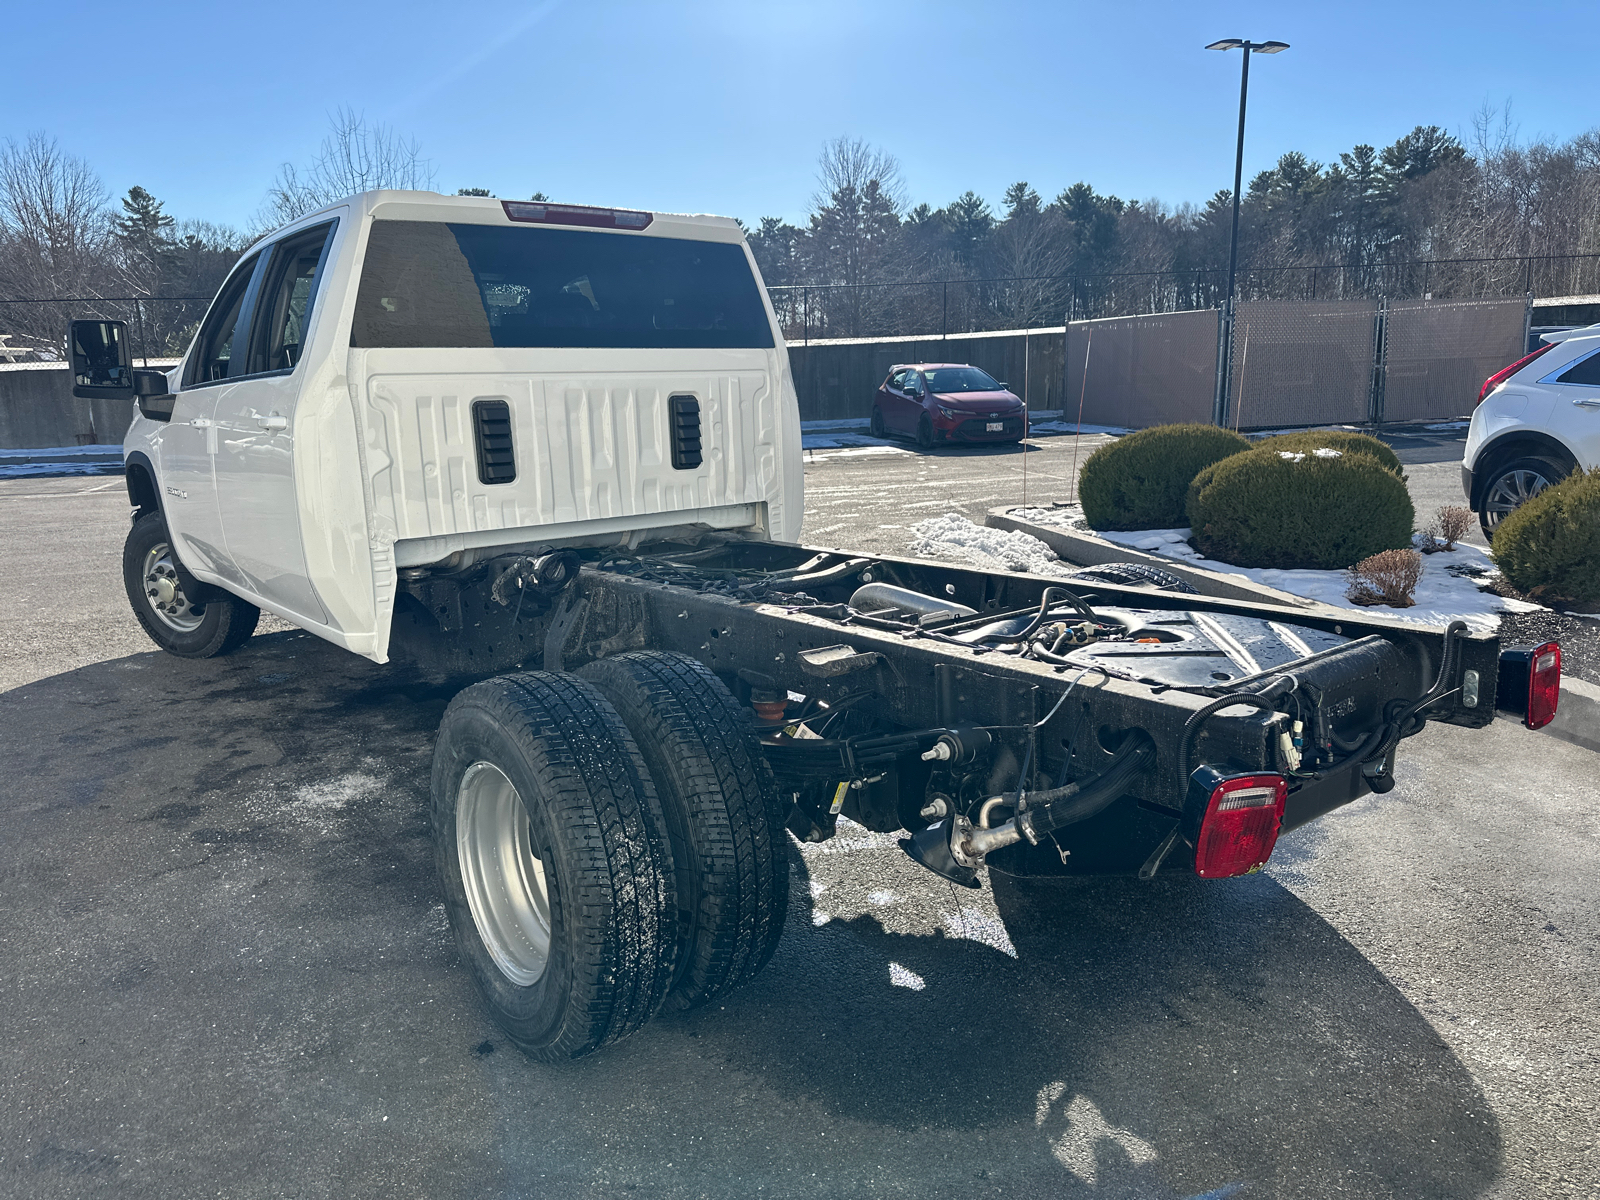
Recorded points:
428,284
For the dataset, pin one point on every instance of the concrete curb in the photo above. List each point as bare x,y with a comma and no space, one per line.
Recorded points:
1087,550
1577,714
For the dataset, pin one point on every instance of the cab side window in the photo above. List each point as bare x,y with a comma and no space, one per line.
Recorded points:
897,381
214,359
286,301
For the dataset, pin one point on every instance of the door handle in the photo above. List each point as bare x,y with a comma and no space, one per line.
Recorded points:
273,422
1586,402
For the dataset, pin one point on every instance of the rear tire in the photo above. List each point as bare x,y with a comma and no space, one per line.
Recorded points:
1512,484
217,623
723,810
876,426
556,867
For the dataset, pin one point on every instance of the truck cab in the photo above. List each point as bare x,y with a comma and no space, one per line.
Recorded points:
405,379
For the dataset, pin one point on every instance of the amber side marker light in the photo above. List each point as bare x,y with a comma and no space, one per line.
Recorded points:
575,214
1530,683
1232,821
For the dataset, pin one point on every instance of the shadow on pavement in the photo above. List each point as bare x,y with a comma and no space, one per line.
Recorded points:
227,970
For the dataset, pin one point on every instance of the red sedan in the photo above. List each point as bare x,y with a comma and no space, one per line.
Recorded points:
947,402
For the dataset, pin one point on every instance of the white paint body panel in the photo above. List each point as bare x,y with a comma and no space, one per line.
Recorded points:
376,468
1532,400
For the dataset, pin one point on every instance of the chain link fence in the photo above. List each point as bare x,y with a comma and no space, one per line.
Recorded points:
1436,356
812,312
1139,371
159,326
1309,363
1343,362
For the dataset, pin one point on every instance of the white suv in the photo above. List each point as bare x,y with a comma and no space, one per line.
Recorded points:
1536,422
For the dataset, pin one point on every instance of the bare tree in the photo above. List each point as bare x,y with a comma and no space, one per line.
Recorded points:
854,224
355,157
54,236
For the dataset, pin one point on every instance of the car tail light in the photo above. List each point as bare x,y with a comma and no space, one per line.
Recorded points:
1233,821
1530,683
1506,373
575,214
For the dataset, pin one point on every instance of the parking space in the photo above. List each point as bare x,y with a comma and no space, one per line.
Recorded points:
226,969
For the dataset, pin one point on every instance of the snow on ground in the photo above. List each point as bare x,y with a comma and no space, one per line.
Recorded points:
61,460
1041,426
1449,589
852,434
957,539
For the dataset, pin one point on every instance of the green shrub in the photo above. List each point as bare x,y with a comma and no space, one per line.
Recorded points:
1549,548
1262,509
1140,481
1341,440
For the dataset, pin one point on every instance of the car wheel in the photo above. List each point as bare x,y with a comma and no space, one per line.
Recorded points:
555,864
723,810
190,626
1511,485
876,425
925,437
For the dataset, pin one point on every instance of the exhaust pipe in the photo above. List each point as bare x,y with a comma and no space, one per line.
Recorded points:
955,849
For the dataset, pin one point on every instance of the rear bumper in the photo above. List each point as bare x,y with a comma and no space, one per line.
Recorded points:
1466,486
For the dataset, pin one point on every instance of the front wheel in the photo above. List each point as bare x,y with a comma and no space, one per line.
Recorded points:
925,436
556,866
188,626
1512,485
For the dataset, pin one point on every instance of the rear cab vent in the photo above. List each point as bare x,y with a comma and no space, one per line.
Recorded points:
491,424
685,417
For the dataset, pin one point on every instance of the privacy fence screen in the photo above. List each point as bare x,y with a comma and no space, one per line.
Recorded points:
1347,362
1139,371
1436,356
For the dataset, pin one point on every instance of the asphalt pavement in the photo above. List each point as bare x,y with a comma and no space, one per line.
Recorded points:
225,968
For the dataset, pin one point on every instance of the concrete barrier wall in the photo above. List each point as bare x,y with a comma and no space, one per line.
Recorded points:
38,409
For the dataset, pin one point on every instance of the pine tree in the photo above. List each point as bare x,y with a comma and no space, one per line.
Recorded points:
142,227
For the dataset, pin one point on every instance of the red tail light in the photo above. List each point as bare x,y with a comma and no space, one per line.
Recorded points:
1506,373
540,213
1530,683
1233,821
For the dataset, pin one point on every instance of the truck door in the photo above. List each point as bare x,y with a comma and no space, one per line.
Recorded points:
255,428
188,443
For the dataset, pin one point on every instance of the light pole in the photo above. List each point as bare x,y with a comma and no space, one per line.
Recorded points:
1219,403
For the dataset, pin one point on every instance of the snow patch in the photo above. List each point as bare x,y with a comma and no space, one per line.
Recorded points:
1443,595
955,538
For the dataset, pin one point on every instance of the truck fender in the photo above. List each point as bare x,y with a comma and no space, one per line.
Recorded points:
140,474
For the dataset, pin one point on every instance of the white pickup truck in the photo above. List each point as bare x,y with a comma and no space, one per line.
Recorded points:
556,450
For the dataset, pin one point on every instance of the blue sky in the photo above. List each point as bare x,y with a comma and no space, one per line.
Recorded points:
722,107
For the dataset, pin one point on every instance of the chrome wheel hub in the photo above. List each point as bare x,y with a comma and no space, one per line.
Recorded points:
164,591
1510,491
503,879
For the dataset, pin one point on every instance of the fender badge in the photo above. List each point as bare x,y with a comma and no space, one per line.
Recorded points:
172,491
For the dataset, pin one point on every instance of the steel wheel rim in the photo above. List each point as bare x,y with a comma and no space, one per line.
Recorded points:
1510,492
163,591
502,877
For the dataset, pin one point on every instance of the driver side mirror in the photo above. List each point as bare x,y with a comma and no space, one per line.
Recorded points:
102,366
102,369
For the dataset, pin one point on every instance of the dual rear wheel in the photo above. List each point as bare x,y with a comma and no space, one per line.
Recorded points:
609,844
